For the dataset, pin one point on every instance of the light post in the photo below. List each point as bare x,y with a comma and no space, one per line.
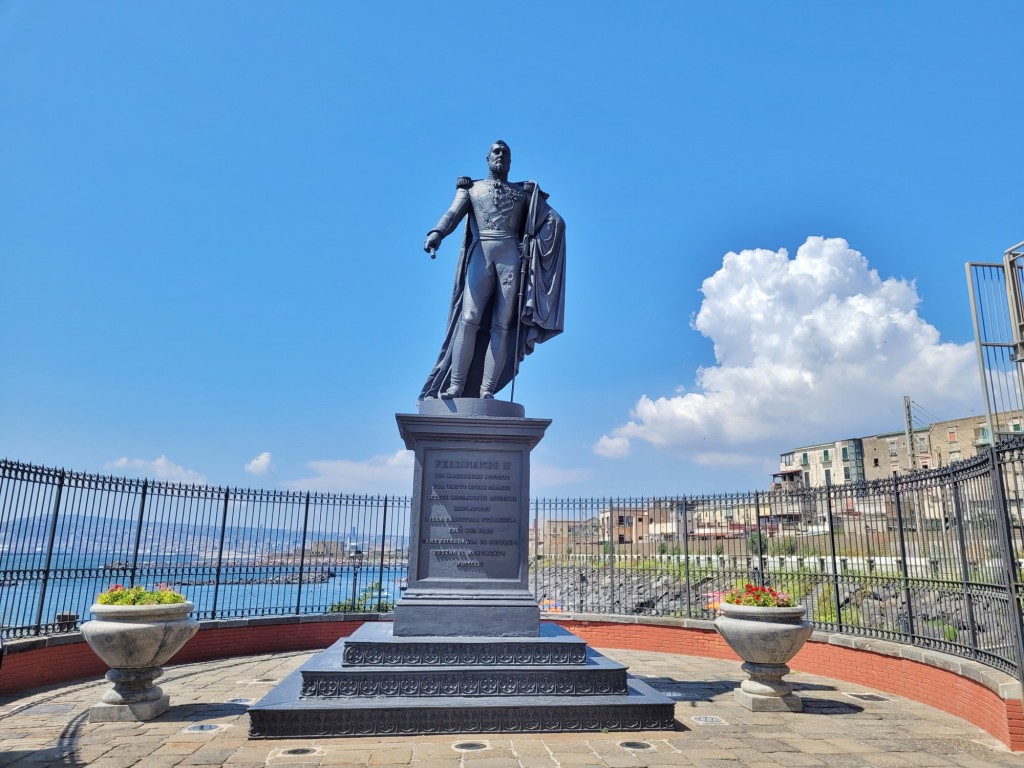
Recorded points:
355,560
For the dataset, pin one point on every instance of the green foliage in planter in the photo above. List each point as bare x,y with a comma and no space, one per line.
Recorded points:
138,595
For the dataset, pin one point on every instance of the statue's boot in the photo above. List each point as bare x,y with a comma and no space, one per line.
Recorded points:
494,361
463,344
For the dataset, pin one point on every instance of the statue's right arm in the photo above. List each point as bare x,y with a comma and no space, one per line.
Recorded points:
449,221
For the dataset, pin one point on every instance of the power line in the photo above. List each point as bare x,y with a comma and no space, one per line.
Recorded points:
928,414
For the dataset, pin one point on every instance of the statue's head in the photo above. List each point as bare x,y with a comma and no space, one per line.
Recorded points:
499,158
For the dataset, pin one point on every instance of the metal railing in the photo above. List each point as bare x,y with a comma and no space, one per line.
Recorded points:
66,536
930,558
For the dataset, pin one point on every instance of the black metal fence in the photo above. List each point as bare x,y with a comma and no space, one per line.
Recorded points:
930,559
66,536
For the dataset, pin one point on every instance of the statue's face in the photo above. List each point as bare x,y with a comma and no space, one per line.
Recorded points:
499,159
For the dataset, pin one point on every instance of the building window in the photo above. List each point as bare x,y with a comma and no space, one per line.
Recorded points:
846,453
807,479
876,462
893,450
951,435
824,455
787,459
828,477
846,474
803,459
922,444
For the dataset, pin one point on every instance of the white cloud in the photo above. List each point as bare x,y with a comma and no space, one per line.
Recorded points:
378,475
613,447
260,465
159,469
813,348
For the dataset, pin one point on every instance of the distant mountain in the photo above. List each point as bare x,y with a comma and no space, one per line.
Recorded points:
115,538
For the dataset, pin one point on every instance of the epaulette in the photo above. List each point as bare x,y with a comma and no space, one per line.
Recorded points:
463,182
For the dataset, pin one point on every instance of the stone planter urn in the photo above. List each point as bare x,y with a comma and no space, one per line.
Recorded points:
766,639
134,641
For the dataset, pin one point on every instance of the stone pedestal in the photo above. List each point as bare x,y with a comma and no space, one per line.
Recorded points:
374,683
467,652
469,537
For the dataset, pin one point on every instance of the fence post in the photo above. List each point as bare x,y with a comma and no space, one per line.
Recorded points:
965,575
49,554
1005,529
760,553
836,601
220,553
533,565
686,560
302,556
138,532
537,561
904,564
611,558
380,571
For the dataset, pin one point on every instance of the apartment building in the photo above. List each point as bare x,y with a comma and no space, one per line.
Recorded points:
876,457
833,463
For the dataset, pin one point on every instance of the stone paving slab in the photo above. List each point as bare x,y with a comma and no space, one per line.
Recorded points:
49,727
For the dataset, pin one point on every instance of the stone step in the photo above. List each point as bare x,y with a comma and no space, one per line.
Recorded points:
375,645
598,676
283,713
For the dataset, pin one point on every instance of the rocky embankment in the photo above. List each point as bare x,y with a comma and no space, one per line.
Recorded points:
942,614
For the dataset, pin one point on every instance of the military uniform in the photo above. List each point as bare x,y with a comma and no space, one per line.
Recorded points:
498,210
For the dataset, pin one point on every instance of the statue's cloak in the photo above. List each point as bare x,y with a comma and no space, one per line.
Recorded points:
542,311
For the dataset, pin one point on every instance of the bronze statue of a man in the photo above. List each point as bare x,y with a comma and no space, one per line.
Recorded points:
509,283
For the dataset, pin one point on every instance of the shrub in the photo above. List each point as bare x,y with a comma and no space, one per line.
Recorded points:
137,595
366,602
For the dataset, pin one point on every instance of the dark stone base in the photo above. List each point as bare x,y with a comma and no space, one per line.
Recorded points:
641,709
447,616
375,684
377,645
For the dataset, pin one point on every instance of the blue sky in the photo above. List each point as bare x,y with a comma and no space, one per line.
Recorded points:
212,214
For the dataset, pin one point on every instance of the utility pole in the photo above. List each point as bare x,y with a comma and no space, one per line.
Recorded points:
910,457
909,433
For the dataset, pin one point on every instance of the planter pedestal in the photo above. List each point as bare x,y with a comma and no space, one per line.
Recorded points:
133,697
766,639
135,640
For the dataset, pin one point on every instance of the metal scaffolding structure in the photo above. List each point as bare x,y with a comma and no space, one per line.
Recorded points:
997,314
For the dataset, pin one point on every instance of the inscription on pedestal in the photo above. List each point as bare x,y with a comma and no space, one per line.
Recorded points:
470,524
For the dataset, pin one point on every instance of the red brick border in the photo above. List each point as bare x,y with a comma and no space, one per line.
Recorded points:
46,664
46,661
937,687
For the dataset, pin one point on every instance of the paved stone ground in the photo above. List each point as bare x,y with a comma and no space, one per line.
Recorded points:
50,727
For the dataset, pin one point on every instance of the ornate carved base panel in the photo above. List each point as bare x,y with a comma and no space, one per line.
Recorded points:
363,718
376,684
